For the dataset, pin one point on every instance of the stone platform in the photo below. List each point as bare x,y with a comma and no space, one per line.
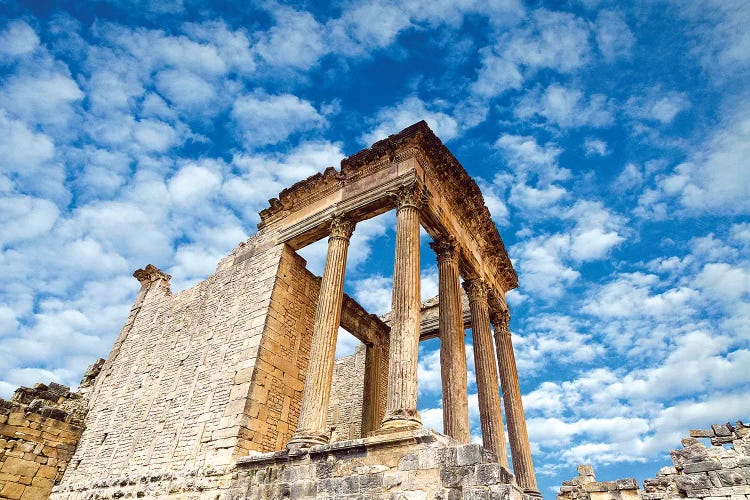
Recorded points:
407,465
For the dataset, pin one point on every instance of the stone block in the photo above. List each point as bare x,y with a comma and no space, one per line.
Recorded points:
468,454
447,456
585,470
705,466
302,489
487,474
370,483
721,430
408,462
12,491
348,485
690,483
24,468
324,470
698,433
393,479
35,493
452,477
731,477
428,458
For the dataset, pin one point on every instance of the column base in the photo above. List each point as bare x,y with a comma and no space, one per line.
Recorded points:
402,420
307,439
533,492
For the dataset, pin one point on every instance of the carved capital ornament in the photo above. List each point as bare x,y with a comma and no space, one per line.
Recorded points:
446,249
500,321
477,290
411,195
341,227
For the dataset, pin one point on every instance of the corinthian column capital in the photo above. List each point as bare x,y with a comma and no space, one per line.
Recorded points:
446,249
342,227
500,321
477,290
411,195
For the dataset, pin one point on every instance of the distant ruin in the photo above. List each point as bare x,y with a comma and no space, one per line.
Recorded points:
717,472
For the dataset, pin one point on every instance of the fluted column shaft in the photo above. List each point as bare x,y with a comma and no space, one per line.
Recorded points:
376,386
490,412
452,347
520,449
401,408
312,420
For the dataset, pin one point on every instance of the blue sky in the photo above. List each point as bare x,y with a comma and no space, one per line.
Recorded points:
611,142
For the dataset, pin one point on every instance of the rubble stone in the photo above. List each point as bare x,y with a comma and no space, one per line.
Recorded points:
713,473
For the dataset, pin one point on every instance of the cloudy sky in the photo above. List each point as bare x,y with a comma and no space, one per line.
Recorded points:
611,143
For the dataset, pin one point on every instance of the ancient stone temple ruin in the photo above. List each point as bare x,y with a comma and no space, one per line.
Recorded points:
224,390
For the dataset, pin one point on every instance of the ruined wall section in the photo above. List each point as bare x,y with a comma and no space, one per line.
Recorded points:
171,397
717,472
278,378
347,391
720,471
39,430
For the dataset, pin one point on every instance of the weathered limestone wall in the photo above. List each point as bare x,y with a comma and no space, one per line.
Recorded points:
345,409
586,487
171,397
410,465
279,373
701,472
37,439
718,472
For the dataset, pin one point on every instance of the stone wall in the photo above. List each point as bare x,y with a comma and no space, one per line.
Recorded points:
586,487
279,374
412,465
345,409
39,429
720,471
172,395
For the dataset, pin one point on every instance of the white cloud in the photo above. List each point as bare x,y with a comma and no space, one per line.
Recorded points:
44,98
185,89
656,105
25,217
18,39
722,44
555,337
566,107
391,120
21,149
545,261
613,36
631,177
595,147
524,155
374,293
368,25
428,373
155,135
716,178
192,183
553,40
636,294
296,40
269,119
346,343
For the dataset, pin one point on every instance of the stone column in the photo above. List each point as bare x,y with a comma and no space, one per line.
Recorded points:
315,397
375,386
520,450
452,347
490,412
401,409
